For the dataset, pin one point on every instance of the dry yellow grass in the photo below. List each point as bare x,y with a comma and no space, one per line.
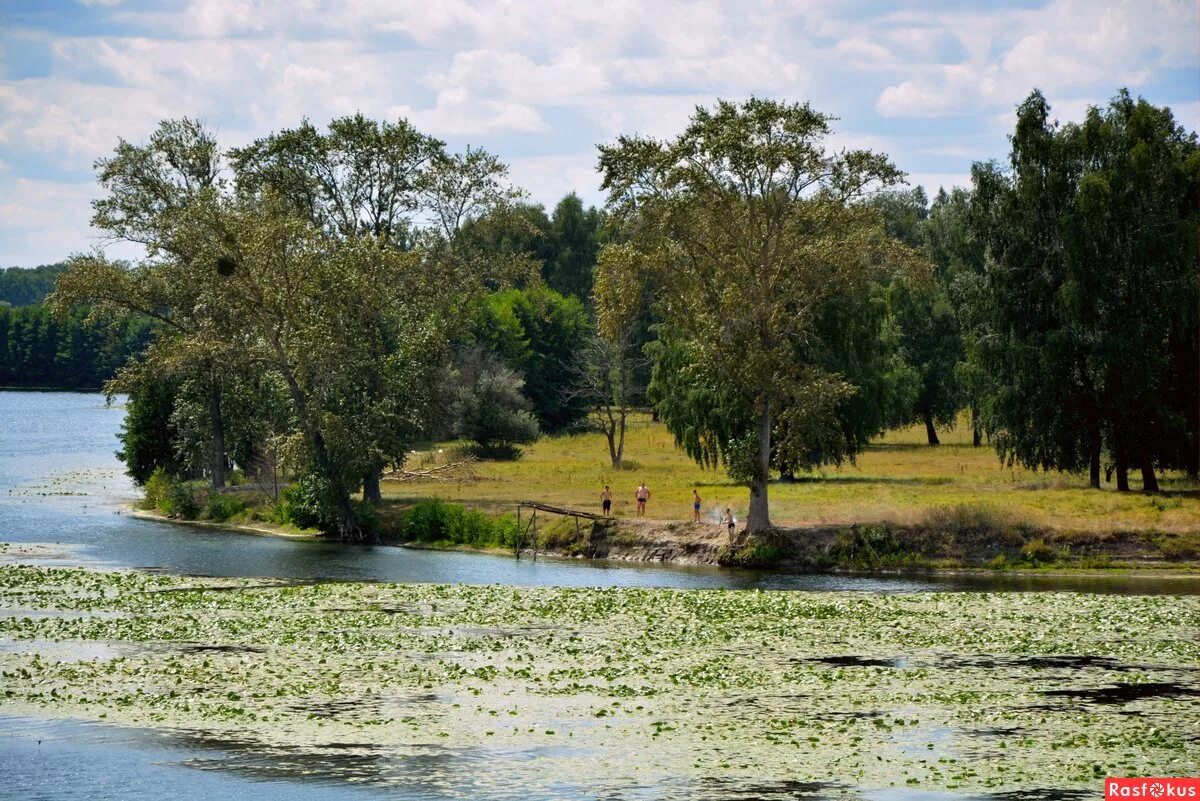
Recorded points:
899,479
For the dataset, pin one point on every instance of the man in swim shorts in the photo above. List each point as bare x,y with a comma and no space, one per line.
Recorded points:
642,495
606,500
696,505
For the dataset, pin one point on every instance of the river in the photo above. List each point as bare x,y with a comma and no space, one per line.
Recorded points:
63,498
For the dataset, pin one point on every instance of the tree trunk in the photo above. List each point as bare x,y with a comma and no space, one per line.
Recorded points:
930,431
371,491
1149,480
1122,469
348,528
976,430
1094,447
758,520
621,436
216,456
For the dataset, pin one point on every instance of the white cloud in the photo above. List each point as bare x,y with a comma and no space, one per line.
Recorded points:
932,181
548,178
560,77
1064,47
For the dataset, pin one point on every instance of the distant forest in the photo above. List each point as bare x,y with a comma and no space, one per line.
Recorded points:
39,350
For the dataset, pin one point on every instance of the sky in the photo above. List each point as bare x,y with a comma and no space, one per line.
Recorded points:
933,84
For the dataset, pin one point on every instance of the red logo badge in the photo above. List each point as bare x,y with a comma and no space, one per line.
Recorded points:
1152,789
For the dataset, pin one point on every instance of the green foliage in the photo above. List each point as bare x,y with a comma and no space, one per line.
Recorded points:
157,488
182,501
562,247
219,507
21,287
310,503
540,334
924,322
170,496
1087,341
485,405
576,241
747,223
435,521
929,342
147,433
42,350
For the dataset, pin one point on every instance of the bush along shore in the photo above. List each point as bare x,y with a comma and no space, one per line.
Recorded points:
949,538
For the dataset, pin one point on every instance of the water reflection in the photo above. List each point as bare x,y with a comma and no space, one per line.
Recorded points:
70,761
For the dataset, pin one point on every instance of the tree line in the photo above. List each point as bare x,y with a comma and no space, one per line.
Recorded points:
327,298
39,349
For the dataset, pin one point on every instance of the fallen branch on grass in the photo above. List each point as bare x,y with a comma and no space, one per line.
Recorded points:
461,470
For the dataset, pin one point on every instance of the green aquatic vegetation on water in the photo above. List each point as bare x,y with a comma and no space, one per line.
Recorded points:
965,691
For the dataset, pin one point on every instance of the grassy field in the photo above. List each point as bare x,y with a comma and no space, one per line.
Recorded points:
899,480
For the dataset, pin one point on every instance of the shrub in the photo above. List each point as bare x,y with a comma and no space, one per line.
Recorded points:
181,501
158,490
485,403
863,546
435,521
220,507
170,496
309,503
1037,551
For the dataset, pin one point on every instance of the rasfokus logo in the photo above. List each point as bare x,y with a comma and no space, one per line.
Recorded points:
1151,788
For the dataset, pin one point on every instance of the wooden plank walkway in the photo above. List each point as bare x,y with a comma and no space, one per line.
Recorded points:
531,525
559,510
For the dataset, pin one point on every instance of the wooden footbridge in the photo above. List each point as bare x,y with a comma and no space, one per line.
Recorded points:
529,529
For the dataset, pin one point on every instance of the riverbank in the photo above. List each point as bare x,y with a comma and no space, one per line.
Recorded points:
958,545
693,692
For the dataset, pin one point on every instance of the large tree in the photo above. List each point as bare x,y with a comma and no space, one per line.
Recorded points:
540,334
1088,313
150,193
924,320
610,368
957,254
329,261
748,221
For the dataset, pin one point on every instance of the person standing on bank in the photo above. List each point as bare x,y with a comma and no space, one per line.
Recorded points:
730,523
696,505
606,501
642,495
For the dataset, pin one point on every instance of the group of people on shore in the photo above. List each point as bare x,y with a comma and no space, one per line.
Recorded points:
642,495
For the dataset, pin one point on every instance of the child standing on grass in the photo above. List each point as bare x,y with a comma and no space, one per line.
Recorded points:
696,505
606,501
730,523
642,495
